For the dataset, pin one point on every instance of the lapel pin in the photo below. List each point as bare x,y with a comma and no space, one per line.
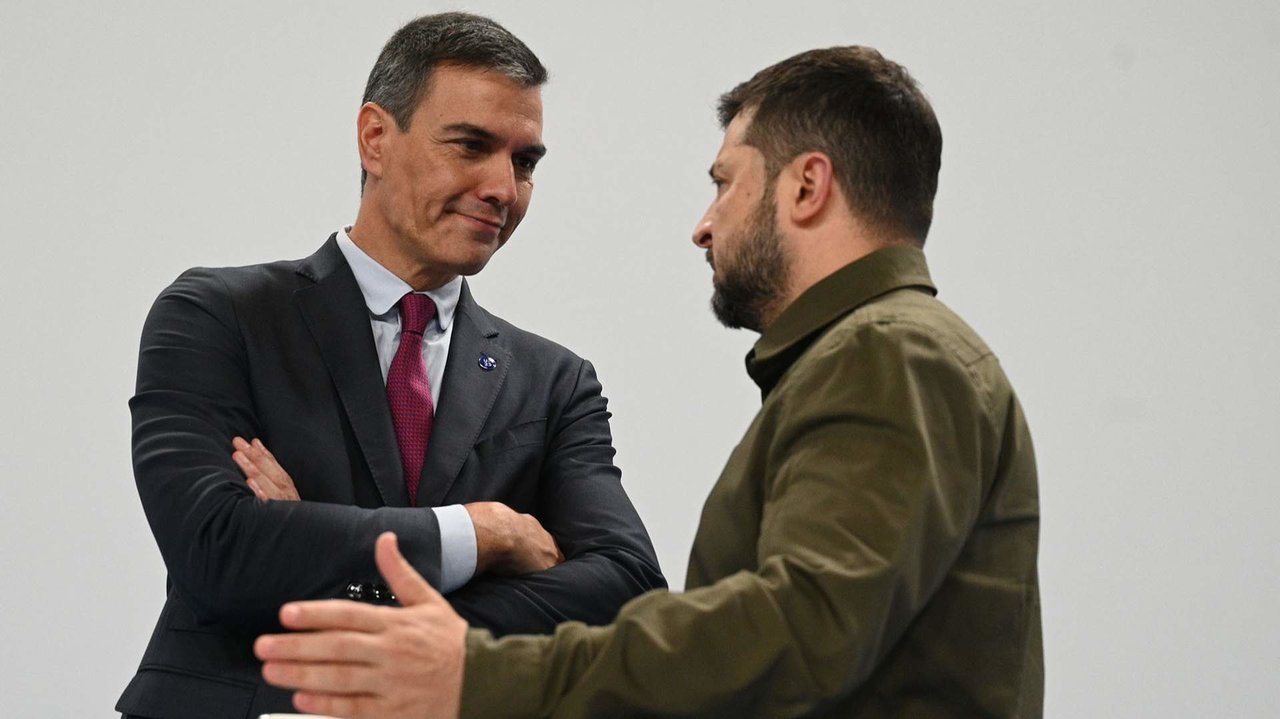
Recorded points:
487,363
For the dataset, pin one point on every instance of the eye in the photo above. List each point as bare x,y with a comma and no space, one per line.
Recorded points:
525,164
470,145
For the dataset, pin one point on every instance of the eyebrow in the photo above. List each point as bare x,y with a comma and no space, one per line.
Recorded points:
479,133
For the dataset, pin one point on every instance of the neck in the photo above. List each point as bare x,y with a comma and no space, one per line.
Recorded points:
817,253
770,312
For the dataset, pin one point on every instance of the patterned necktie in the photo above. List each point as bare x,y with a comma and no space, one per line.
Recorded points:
408,391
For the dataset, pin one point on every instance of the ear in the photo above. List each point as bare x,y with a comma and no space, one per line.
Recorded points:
373,125
811,185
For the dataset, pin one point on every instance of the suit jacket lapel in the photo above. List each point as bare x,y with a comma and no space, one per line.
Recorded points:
465,399
335,313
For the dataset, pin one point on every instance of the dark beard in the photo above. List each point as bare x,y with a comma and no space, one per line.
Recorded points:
756,278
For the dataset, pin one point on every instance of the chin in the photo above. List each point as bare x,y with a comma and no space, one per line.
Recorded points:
473,265
466,255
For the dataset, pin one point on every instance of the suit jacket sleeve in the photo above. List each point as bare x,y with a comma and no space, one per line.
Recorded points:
234,559
581,502
872,483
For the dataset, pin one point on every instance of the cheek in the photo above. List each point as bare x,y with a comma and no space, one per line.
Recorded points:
728,240
405,191
723,214
518,210
428,184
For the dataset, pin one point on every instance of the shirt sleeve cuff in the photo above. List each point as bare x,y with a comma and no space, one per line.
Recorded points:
457,547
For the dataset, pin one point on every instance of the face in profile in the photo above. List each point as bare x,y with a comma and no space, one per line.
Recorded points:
740,235
452,187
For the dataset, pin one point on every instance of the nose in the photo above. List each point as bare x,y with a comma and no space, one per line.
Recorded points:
499,186
702,232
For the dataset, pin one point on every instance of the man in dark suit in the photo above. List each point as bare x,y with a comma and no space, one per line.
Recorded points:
395,401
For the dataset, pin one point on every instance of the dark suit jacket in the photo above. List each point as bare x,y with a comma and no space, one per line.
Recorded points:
284,352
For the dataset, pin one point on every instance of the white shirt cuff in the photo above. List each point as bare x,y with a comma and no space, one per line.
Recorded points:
457,547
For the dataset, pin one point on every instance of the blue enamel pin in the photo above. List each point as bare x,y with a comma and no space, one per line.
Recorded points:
487,363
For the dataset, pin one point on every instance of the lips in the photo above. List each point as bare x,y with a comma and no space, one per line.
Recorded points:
492,223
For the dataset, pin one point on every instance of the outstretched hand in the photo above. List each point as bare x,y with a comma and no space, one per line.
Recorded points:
262,472
358,660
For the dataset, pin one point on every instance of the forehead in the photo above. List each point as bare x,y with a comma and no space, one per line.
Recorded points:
733,148
480,97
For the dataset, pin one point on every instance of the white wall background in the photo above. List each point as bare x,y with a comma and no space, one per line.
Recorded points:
1106,219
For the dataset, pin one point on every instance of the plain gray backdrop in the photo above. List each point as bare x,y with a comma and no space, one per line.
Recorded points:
1105,219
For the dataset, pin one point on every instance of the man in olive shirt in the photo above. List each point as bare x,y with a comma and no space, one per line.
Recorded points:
869,550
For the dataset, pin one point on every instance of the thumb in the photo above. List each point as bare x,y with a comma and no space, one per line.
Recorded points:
405,582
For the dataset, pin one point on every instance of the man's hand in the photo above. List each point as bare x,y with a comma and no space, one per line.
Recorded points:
358,660
509,543
262,472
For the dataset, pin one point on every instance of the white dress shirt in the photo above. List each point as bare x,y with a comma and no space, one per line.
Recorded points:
382,291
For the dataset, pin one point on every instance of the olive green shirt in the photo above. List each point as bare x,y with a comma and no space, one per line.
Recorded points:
868,551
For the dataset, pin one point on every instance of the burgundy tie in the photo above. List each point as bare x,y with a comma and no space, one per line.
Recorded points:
408,391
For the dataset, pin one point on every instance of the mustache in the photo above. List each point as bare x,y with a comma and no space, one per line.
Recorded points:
711,259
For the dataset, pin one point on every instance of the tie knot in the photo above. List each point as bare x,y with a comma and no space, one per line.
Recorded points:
416,311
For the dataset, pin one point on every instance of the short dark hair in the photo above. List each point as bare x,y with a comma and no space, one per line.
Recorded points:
402,74
864,112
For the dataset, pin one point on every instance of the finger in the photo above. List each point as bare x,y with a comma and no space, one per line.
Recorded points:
340,646
271,476
333,614
239,442
405,582
257,490
253,478
354,707
245,464
270,469
263,448
327,677
265,463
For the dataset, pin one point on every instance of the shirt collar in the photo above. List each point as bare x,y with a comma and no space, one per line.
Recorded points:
382,290
836,295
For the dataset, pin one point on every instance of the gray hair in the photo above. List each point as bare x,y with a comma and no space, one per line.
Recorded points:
402,74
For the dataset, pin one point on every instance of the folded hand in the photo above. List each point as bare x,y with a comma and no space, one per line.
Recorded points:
262,472
509,542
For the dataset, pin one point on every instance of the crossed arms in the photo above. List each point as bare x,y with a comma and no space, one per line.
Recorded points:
235,559
508,543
